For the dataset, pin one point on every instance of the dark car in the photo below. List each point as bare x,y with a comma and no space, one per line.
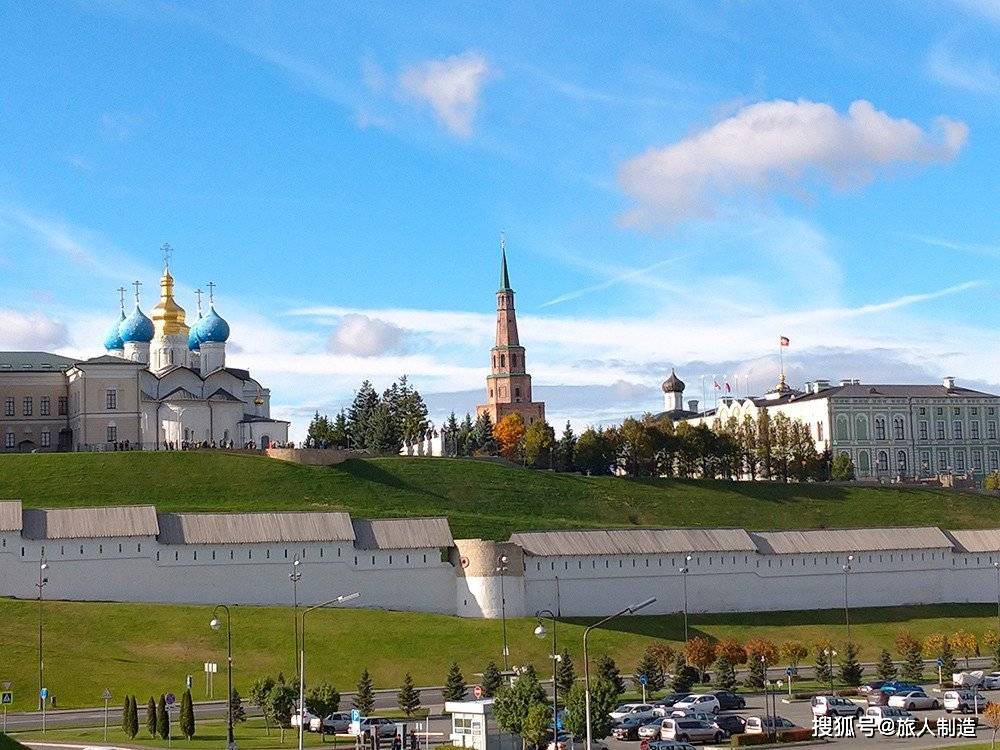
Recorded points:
669,700
729,701
628,728
731,724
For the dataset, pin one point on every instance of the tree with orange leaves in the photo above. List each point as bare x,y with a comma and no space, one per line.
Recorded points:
509,432
699,653
731,648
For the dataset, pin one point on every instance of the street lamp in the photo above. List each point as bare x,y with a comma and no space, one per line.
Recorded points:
541,633
302,659
216,624
847,610
586,659
831,654
684,576
502,565
295,576
42,580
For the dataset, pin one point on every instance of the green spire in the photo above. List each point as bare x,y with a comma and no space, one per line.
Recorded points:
504,278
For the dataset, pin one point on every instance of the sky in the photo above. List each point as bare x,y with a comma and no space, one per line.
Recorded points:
680,183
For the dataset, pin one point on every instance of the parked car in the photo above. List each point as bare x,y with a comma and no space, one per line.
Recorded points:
306,717
690,730
700,702
642,710
336,723
991,681
897,686
628,728
669,700
651,729
566,741
878,697
667,745
767,724
834,705
729,701
964,701
384,727
888,713
687,713
914,700
731,724
869,686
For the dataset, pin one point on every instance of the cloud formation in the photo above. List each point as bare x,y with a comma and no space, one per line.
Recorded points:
30,331
362,336
777,146
451,86
978,76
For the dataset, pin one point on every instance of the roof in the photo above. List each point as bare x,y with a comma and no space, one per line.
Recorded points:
10,515
108,359
874,390
633,541
850,540
254,528
504,277
402,533
236,372
221,394
248,418
976,540
90,523
31,361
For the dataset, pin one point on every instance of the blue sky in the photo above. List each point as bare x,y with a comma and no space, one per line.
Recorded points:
680,183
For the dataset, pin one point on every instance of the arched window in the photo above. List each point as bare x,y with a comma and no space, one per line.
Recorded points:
513,359
897,428
883,460
503,360
842,429
901,462
862,427
880,428
864,463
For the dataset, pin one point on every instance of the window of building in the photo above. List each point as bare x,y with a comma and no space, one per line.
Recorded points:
513,359
28,406
819,430
902,464
925,461
897,428
503,360
940,410
974,411
977,460
862,427
63,405
46,439
112,433
956,411
879,428
959,460
517,392
883,461
841,427
991,410
8,407
44,406
8,440
923,411
974,430
994,460
923,429
991,430
939,431
942,460
864,463
111,399
956,430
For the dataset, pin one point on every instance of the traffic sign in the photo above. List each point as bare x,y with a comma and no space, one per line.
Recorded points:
643,680
789,671
940,662
170,699
355,715
477,692
44,693
107,694
6,698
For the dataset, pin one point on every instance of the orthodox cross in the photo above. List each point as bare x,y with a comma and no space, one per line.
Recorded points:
167,252
211,292
137,284
121,297
503,241
198,293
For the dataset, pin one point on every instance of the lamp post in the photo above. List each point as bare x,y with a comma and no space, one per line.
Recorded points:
684,577
767,705
847,609
295,576
586,659
540,633
302,659
996,565
215,624
502,564
42,580
831,654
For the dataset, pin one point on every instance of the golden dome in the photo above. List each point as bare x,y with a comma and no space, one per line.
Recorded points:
168,316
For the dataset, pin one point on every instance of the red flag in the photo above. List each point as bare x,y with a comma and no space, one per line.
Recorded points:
783,341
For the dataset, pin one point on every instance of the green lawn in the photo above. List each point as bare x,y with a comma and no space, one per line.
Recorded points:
482,499
147,649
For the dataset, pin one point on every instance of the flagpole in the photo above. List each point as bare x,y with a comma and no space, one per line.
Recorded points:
781,358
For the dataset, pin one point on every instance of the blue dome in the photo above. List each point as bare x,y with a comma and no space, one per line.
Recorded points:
212,328
193,341
113,340
136,328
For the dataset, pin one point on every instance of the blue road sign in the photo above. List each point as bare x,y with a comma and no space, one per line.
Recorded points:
789,671
355,715
643,679
44,692
6,698
170,699
559,723
940,662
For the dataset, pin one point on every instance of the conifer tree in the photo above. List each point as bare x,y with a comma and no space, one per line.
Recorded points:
236,704
684,675
187,715
126,708
465,436
454,685
133,718
824,670
408,698
608,670
650,668
851,671
364,698
492,680
565,673
565,449
338,433
359,414
162,718
755,673
725,674
151,716
885,669
383,435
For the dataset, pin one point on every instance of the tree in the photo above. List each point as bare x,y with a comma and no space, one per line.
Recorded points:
664,655
162,718
133,718
732,650
281,703
364,697
536,724
649,668
359,414
602,702
509,432
322,700
991,717
236,706
851,671
383,433
512,702
992,482
991,639
565,450
125,715
411,411
538,445
939,647
454,684
339,432
492,680
187,715
843,467
408,698
725,674
608,670
151,716
259,690
794,652
318,434
700,653
885,668
824,669
909,648
565,674
965,644
684,676
594,453
481,439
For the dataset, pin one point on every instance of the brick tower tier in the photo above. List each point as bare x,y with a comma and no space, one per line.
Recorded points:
508,386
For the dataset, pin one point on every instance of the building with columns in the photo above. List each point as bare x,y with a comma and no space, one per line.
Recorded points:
508,386
160,384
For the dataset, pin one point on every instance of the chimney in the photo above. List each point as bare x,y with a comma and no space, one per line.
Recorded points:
846,381
949,382
811,386
693,405
821,384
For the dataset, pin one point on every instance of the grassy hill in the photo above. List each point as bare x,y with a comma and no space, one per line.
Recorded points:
481,499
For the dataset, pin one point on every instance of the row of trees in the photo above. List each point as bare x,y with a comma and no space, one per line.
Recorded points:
380,424
157,717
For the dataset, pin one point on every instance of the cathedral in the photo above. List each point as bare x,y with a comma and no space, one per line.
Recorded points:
508,386
162,384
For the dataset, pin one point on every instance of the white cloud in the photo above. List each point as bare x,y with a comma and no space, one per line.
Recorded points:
451,86
365,337
777,146
978,76
30,331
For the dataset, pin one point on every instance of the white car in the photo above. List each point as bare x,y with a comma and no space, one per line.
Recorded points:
639,710
888,713
296,717
991,681
913,700
687,713
376,724
964,701
704,702
834,705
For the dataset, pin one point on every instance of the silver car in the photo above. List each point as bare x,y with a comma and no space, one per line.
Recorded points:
690,730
